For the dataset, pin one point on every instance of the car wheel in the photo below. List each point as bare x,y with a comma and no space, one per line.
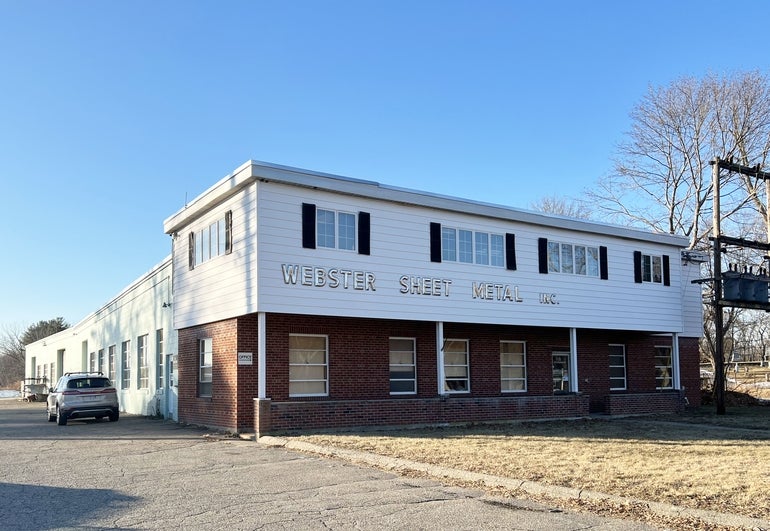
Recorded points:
114,416
61,418
48,414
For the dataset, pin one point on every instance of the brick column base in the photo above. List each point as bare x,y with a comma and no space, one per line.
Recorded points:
262,416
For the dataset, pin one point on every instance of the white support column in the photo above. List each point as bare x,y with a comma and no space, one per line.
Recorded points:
261,356
675,359
573,370
440,357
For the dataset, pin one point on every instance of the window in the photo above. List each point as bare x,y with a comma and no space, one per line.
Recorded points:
335,230
560,371
664,368
403,371
469,247
617,367
92,362
308,365
206,349
573,259
160,376
142,363
652,269
456,367
212,241
111,362
513,366
125,358
100,361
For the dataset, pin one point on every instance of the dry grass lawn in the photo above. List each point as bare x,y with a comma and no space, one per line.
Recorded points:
697,460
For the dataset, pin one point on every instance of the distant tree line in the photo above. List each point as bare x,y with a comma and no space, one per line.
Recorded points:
13,342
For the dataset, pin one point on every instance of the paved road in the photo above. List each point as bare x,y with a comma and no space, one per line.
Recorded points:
146,474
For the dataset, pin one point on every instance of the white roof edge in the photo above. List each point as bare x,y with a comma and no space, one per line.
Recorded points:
264,171
80,324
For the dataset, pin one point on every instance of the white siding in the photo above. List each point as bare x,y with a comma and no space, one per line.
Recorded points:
136,311
224,286
400,245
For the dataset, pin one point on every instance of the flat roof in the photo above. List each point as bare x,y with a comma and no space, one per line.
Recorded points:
252,171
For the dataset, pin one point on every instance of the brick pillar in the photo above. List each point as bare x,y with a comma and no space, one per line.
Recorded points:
262,422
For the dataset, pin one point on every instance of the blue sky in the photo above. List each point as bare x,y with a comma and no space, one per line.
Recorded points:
112,113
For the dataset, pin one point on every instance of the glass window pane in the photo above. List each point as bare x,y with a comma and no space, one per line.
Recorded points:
205,245
657,270
513,385
566,259
512,372
402,386
307,372
646,268
221,237
325,229
482,248
347,231
448,244
307,388
580,260
554,259
592,261
466,246
497,257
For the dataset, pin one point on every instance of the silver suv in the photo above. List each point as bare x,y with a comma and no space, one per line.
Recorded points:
82,394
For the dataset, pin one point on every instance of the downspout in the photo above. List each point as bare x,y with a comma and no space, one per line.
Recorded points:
440,357
675,360
573,377
261,356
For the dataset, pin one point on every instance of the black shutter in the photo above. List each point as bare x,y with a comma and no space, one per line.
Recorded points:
638,267
510,252
435,242
364,233
666,271
542,255
228,232
308,226
191,251
603,267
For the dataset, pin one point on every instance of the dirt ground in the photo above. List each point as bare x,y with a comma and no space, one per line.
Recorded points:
698,459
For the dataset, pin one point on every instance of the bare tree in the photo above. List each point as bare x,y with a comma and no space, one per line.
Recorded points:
13,341
562,206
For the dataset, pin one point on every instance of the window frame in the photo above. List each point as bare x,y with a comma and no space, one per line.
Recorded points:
333,221
112,372
125,364
142,363
624,366
504,366
652,268
413,365
466,365
565,354
664,371
325,365
211,241
205,367
477,247
559,252
160,377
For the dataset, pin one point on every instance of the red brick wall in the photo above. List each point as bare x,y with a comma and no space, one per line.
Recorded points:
359,377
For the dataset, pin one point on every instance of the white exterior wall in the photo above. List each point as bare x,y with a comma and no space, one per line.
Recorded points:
400,246
267,235
136,311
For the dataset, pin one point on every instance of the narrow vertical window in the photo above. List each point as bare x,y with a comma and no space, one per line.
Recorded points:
456,366
513,366
142,363
482,248
92,362
111,365
664,368
448,244
308,365
554,257
403,370
465,245
100,362
347,231
326,235
496,250
125,362
617,368
560,371
159,365
205,365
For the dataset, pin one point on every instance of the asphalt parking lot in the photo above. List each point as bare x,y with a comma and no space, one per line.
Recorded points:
140,473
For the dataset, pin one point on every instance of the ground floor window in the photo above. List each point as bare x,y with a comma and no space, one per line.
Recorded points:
664,368
308,365
111,363
456,367
403,371
206,350
142,362
513,366
125,365
100,361
617,367
560,371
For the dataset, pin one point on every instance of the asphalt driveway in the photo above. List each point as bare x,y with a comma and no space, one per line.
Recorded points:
140,473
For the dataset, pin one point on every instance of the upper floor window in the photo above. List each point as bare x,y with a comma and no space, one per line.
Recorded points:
469,247
211,241
652,268
573,259
335,230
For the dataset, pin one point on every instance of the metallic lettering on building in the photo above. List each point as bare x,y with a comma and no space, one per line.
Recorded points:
414,285
496,292
332,277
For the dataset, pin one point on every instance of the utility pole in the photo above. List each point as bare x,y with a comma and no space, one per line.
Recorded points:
743,301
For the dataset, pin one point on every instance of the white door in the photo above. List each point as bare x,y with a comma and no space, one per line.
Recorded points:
172,374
